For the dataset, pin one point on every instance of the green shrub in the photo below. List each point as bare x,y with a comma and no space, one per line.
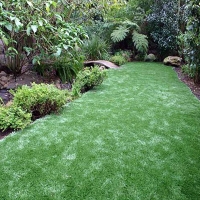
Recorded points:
125,53
67,66
13,117
87,79
118,59
40,99
188,71
95,48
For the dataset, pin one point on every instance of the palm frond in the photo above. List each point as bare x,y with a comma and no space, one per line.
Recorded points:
140,42
131,25
119,33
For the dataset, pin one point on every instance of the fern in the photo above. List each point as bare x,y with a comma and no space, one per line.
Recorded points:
131,25
119,33
140,42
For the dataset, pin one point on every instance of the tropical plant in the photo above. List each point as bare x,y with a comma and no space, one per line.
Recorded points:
127,27
95,48
34,30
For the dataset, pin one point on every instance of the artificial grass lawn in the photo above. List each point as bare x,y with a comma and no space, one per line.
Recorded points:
137,136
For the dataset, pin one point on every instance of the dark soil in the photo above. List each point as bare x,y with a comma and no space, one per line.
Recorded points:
195,88
30,77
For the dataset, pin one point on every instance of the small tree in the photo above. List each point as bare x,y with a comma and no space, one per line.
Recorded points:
163,24
192,38
34,30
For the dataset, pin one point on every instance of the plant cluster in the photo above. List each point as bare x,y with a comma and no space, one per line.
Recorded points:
191,38
35,30
163,23
30,103
87,79
95,48
13,117
127,28
121,57
40,99
68,66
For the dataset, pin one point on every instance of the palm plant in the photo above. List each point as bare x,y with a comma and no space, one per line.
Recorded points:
124,29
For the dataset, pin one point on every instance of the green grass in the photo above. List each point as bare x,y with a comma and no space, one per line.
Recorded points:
137,137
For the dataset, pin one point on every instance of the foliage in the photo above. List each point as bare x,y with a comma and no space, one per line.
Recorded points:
127,27
40,99
87,79
187,70
192,38
140,42
34,30
119,34
121,57
163,22
126,54
118,59
13,117
67,66
95,48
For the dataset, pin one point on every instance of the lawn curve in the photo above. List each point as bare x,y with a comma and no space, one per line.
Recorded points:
134,137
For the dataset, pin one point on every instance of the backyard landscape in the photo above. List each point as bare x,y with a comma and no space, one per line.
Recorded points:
136,136
100,100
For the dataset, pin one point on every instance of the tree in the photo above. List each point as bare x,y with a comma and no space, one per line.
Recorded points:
35,30
192,38
163,22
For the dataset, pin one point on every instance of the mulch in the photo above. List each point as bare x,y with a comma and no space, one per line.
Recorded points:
194,87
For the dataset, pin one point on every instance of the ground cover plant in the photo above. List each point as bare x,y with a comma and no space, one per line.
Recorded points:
136,136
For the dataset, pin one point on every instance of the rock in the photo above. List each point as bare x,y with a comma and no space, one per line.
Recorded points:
151,57
4,79
2,73
173,61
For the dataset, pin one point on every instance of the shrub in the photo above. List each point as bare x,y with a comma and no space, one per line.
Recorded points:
35,30
163,23
192,38
67,66
118,59
13,117
95,48
40,99
188,71
87,79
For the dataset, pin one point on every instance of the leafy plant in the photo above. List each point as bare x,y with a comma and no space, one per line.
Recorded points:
34,30
192,38
87,79
95,48
163,24
13,117
119,34
118,59
40,99
187,70
68,66
127,27
140,42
